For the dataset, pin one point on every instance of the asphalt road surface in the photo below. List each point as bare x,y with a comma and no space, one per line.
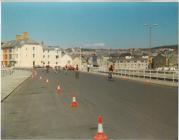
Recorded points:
130,109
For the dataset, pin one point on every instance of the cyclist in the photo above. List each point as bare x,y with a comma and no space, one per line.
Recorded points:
111,69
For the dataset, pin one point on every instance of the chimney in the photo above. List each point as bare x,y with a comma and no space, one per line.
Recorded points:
25,35
18,37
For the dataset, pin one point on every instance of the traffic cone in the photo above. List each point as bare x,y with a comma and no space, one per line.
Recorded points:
100,134
58,89
74,102
147,82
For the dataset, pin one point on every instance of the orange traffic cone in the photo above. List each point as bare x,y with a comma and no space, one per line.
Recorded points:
100,134
147,82
58,89
74,102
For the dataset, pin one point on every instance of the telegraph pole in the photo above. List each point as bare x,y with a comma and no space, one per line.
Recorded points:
150,27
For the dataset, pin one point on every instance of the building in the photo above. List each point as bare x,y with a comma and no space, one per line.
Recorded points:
173,60
103,60
76,60
21,52
132,63
159,61
29,54
66,60
93,60
51,56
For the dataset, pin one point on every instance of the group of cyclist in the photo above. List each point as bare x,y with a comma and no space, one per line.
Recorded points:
110,71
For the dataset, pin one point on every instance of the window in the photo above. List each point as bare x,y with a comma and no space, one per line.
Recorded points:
33,63
57,56
33,48
48,56
43,56
26,49
48,62
56,63
33,55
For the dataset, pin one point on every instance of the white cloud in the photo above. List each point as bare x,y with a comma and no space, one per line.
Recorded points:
94,45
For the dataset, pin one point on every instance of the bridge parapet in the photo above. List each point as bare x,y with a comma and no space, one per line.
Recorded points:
171,76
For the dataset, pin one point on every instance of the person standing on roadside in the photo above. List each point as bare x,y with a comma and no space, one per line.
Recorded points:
66,68
88,67
76,72
47,68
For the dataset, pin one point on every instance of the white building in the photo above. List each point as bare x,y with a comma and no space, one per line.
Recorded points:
76,61
28,55
66,60
51,56
22,53
132,64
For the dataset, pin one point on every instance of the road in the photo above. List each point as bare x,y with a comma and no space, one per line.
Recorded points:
130,109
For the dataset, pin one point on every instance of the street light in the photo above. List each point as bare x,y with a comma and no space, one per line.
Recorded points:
150,26
80,57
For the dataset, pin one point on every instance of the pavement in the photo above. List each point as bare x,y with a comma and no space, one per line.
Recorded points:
130,109
11,82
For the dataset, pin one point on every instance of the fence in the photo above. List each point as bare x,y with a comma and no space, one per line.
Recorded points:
6,71
10,71
148,74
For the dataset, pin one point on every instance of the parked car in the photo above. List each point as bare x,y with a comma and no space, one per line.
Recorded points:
71,68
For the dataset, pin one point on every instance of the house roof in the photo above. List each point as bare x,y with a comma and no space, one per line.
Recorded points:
135,58
14,43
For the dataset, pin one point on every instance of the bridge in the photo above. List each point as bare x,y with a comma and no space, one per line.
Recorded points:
131,109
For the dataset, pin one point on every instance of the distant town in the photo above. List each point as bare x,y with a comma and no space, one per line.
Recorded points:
26,53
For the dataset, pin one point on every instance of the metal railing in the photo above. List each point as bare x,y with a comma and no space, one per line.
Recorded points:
6,71
11,70
146,74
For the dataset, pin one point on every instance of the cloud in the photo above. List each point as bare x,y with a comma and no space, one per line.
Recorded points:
94,45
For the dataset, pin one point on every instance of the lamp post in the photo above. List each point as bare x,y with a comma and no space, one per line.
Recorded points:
80,57
150,27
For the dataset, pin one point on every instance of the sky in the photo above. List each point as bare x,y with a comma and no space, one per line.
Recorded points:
95,25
